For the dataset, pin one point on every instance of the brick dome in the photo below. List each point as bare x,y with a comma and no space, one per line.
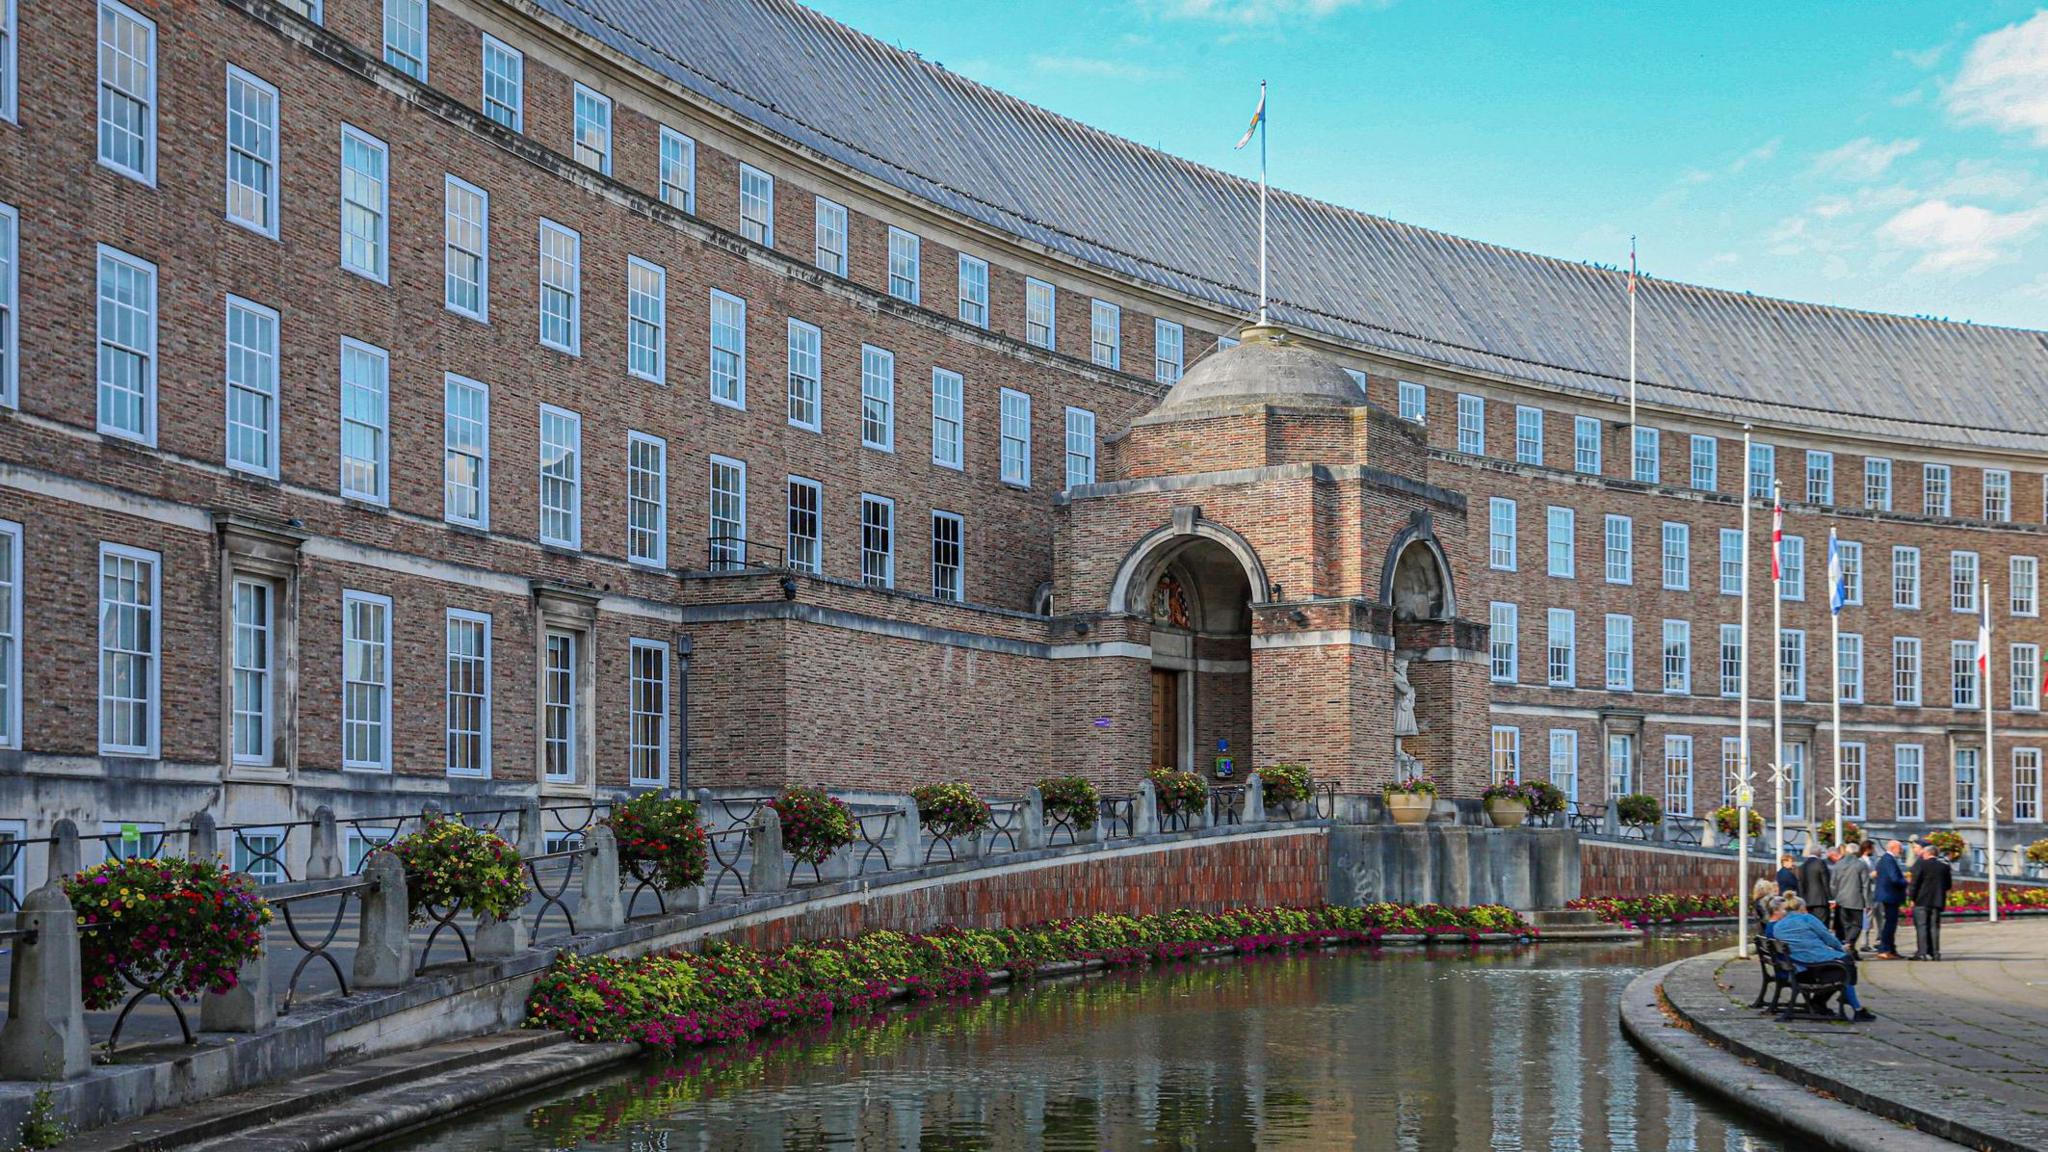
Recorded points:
1266,367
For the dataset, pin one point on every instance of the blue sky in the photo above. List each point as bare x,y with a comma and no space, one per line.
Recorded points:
1886,155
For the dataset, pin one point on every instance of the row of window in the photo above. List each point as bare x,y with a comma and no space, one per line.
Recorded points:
1560,663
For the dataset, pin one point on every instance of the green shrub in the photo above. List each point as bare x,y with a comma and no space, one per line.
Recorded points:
1070,798
450,865
1639,809
660,839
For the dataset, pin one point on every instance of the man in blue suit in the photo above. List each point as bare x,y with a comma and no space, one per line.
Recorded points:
1890,893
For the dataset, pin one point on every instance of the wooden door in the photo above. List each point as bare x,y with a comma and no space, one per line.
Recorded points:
1165,718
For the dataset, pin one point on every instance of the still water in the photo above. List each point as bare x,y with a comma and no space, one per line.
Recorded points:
1431,1053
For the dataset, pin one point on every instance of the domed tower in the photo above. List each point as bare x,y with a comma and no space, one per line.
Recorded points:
1265,546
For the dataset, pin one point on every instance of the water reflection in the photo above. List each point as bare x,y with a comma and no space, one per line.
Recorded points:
1408,1052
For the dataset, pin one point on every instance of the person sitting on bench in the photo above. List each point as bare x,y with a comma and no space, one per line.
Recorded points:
1809,943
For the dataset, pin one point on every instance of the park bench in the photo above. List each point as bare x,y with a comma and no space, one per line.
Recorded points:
1793,991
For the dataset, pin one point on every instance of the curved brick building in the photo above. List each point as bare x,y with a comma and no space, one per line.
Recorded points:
458,399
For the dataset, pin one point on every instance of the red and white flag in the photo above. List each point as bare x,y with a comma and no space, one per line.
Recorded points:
1631,265
1984,639
1777,538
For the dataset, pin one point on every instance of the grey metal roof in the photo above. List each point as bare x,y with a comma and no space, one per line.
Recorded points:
1408,291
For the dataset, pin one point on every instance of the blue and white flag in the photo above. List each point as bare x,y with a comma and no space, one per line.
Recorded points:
1838,581
1258,117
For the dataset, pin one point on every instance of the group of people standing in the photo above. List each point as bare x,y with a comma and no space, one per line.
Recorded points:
1860,891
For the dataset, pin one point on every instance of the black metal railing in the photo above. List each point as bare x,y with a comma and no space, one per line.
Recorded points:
288,906
734,553
1226,805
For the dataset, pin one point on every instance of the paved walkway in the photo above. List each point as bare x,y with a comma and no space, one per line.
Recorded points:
1959,1049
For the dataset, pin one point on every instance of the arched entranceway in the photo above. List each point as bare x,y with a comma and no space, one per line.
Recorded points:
1197,596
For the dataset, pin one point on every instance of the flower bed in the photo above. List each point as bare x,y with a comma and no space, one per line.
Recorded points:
2010,899
726,992
176,926
660,840
1662,909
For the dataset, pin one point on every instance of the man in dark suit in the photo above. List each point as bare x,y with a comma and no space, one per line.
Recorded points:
1931,880
1890,892
1813,881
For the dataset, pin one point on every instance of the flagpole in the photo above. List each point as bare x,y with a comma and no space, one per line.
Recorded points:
1632,344
1990,770
1262,202
1744,797
1835,644
1777,666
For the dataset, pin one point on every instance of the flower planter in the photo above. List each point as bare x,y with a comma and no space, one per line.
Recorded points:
1507,813
1410,807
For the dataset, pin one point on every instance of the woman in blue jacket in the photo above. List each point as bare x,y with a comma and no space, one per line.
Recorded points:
1809,942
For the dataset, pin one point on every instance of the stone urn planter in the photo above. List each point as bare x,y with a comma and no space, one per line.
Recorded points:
1410,807
1507,813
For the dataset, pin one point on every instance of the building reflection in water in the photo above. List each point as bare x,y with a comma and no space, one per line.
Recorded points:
1425,1053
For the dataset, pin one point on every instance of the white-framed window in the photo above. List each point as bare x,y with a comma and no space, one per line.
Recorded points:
1621,764
1877,484
561,477
1040,302
252,607
1792,754
1621,653
806,498
467,693
905,257
1905,577
10,634
1906,671
1962,663
127,346
1648,455
1678,775
1731,768
1620,566
466,451
257,854
593,128
2024,586
1792,662
1586,445
365,681
466,249
358,843
1962,582
148,843
1849,657
948,419
1792,567
1528,435
1678,657
2026,785
1851,553
251,139
405,37
678,170
127,90
757,205
1561,648
1966,792
1080,447
561,703
1763,470
647,713
1909,762
1168,351
1561,531
877,398
948,547
365,422
251,381
2025,677
877,541
10,312
1505,642
728,350
1105,333
1935,492
646,320
1706,463
1472,424
1997,495
561,288
1500,534
1820,477
1854,777
646,499
504,83
830,252
1731,661
1731,561
728,508
1677,556
1016,437
1413,399
973,290
10,77
365,205
1507,754
1564,762
805,371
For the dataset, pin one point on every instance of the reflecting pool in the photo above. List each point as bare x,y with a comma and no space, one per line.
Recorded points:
1402,1050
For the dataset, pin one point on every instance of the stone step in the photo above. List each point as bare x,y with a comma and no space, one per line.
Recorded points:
1553,918
231,1116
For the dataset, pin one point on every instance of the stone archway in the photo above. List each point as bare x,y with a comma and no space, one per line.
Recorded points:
1196,592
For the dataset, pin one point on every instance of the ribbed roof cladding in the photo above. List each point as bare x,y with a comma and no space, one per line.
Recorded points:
1408,291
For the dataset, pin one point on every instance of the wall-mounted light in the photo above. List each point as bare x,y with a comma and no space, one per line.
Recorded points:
1080,628
789,587
1298,616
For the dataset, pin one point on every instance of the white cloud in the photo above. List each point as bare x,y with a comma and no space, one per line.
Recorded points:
1256,12
2004,80
1959,237
2037,289
1756,155
1098,68
1863,158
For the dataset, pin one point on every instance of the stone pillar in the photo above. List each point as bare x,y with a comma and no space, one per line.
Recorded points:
1205,815
66,856
906,843
1145,810
323,856
45,1038
1032,835
247,1007
203,842
602,907
498,939
770,864
383,941
1254,800
531,839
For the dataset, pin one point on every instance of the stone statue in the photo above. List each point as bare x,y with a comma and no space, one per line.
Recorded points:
1404,700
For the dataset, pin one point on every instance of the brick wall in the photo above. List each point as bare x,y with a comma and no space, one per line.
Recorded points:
1619,871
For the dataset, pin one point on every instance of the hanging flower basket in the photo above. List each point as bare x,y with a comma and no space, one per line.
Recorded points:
660,840
1726,816
1947,844
814,825
1286,784
1639,810
173,927
450,865
1178,791
1851,834
952,810
1070,800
